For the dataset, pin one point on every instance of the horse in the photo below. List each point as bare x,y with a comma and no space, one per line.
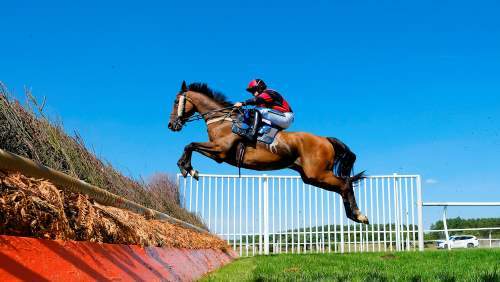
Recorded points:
324,162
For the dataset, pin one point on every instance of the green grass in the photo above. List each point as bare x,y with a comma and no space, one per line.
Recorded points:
457,265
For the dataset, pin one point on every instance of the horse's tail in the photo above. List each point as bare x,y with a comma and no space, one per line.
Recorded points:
344,160
352,180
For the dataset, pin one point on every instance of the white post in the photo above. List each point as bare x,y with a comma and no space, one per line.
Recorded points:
190,194
396,211
178,182
420,215
209,201
341,220
446,228
216,187
490,239
266,214
241,217
185,191
260,211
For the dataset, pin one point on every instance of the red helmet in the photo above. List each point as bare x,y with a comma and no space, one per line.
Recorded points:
256,85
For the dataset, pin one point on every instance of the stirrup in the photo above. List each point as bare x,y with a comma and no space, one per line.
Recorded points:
264,129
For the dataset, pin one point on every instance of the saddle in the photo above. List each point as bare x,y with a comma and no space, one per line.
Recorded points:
253,128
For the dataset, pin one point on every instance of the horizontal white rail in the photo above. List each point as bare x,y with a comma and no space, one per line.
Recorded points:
479,239
463,229
445,206
460,204
297,176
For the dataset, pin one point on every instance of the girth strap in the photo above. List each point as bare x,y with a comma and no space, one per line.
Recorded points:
221,119
240,154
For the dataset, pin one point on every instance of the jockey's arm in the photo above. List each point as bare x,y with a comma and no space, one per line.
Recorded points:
260,99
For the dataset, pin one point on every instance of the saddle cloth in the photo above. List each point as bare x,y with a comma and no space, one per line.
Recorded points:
265,133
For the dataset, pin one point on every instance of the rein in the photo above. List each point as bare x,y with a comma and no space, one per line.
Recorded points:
199,116
182,105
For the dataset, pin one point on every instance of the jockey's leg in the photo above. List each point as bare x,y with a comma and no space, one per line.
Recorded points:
279,119
255,126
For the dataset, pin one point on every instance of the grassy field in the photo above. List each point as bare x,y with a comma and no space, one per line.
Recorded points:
457,265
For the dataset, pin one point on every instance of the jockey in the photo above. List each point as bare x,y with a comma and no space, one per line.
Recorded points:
270,104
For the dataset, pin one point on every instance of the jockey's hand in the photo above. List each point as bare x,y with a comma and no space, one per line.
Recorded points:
238,105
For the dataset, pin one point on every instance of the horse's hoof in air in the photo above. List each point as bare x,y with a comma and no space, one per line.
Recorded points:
184,173
362,219
194,174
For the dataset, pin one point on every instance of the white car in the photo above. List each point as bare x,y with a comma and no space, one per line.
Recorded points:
459,241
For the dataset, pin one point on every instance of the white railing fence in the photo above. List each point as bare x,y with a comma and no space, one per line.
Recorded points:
445,206
262,214
489,242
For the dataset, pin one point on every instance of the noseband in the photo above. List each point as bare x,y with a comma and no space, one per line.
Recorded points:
181,106
181,109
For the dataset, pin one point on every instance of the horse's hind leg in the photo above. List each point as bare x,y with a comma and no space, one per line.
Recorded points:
328,181
350,205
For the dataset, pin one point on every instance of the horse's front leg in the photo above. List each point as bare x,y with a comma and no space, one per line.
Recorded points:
181,163
209,149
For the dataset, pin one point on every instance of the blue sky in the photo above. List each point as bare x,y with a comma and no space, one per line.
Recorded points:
410,87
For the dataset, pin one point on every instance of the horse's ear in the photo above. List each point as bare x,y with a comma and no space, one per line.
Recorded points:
184,86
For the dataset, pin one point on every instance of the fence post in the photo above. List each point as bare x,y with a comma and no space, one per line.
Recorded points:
446,228
261,215
178,183
341,220
396,211
420,215
266,213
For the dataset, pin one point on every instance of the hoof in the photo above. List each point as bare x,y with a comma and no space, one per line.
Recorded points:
194,174
184,172
358,217
362,219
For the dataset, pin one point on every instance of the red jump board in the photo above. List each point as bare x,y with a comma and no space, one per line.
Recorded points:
32,259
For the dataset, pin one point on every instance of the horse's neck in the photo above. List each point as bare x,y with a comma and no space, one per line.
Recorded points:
204,104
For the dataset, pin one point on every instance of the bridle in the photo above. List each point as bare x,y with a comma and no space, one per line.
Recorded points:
181,110
181,105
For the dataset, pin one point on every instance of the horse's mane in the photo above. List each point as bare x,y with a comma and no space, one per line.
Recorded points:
203,88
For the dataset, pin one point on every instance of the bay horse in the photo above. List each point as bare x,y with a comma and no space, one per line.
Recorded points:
324,162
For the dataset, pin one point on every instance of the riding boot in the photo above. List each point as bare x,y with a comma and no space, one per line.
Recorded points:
255,126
